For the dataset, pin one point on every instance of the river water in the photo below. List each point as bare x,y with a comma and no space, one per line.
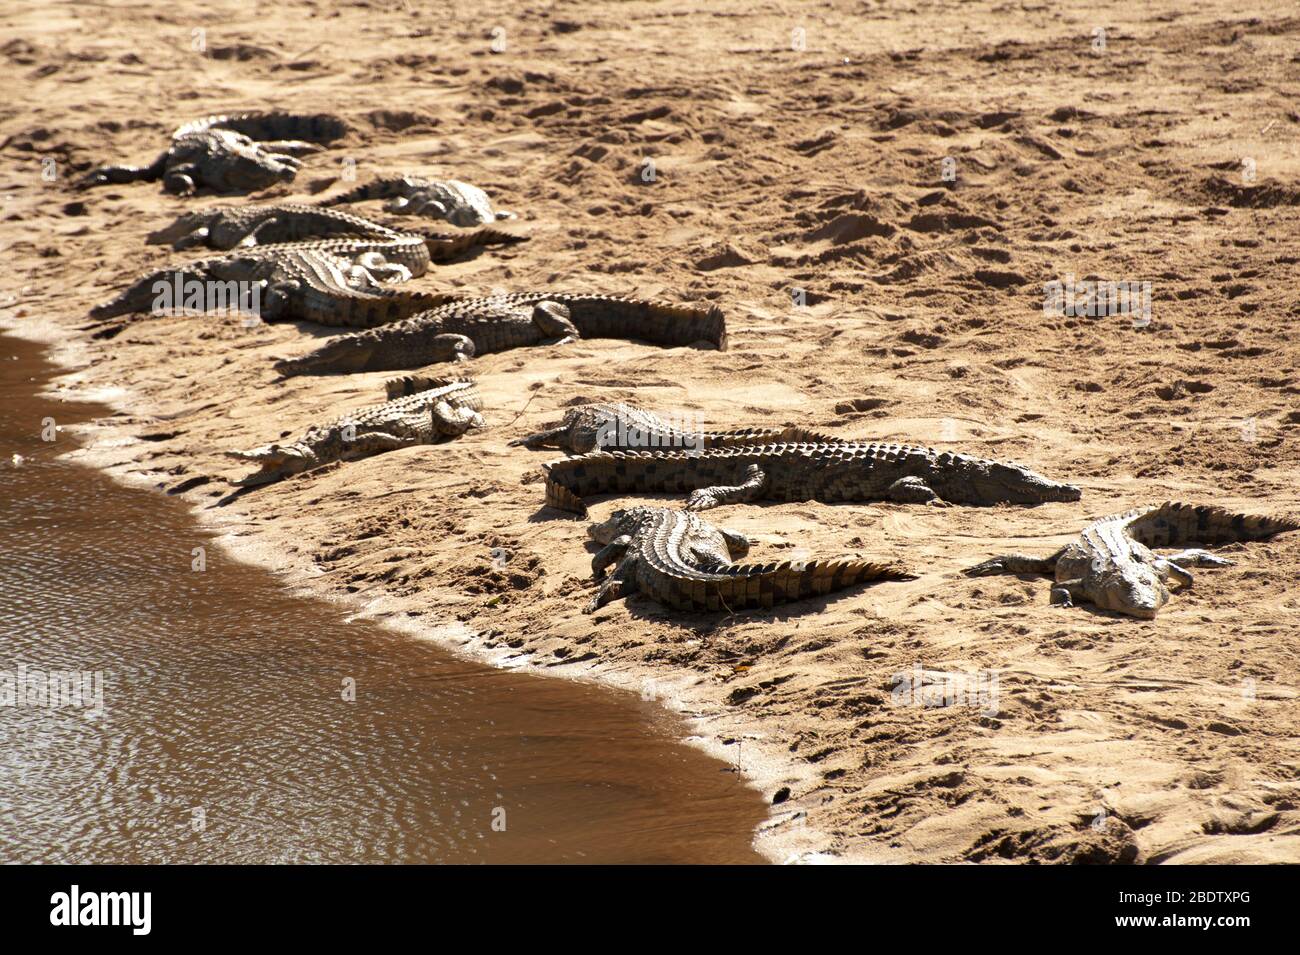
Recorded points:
241,724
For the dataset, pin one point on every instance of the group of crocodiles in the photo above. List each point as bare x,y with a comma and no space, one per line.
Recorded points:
316,263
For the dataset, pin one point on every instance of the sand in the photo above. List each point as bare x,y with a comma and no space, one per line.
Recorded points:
781,175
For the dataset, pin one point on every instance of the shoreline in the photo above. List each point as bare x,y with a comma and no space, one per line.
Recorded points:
764,773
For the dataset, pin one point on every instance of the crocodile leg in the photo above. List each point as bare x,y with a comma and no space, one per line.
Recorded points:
372,272
418,206
609,554
380,271
1166,569
250,237
198,237
1065,592
376,442
751,490
277,300
448,419
180,180
911,490
289,147
452,347
621,583
553,319
1195,557
737,544
1015,564
286,159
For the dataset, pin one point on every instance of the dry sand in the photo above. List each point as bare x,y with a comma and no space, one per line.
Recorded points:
775,169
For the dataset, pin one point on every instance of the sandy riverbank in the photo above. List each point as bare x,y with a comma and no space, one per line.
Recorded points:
818,169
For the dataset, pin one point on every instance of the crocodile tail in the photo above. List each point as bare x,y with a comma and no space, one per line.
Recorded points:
392,306
560,496
747,436
765,585
447,245
1175,524
406,385
351,309
382,188
309,127
114,175
739,437
797,435
659,323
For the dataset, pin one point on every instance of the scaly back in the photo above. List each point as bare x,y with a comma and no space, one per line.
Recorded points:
1174,524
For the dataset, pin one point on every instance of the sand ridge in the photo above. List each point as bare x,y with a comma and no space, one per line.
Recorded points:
781,175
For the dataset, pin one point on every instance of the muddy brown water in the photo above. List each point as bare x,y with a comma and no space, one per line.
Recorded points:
224,735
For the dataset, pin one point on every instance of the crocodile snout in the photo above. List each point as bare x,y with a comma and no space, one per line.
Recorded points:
991,482
1020,485
1131,589
1052,491
606,530
342,355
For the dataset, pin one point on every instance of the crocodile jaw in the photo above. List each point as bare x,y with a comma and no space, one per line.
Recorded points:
257,176
1129,588
619,523
182,227
246,166
346,354
978,481
1036,489
276,462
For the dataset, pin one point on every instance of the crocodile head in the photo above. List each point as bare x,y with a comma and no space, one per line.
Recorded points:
249,172
621,522
350,353
1129,587
184,226
962,479
276,461
232,162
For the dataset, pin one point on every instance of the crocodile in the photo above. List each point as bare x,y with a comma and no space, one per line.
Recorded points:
340,282
682,561
461,329
420,411
331,266
239,152
833,473
1112,564
623,427
229,227
457,202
